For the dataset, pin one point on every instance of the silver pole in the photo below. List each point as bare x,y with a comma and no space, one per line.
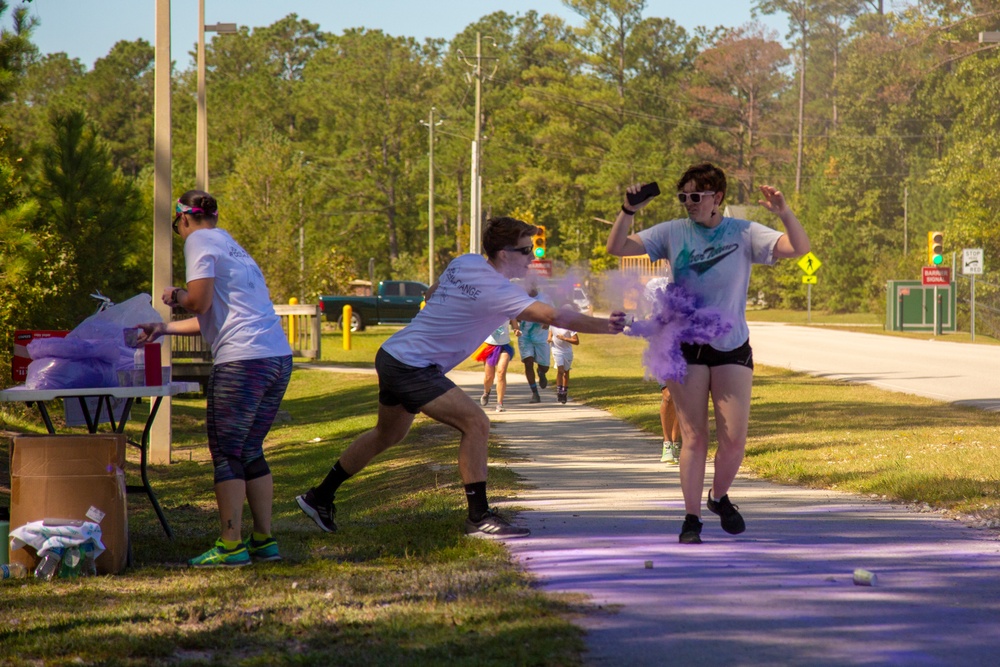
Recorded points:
201,130
972,306
430,204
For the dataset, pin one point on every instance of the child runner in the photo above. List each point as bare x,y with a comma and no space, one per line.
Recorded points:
562,341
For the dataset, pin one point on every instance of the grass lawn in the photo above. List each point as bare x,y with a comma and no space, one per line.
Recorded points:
398,584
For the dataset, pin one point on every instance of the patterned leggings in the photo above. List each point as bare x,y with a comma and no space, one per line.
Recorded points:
243,400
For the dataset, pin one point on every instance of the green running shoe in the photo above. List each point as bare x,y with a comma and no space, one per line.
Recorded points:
220,556
262,552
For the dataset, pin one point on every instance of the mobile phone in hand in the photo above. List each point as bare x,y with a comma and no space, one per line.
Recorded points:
648,191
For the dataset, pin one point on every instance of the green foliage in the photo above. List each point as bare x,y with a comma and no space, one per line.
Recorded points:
86,227
263,205
318,155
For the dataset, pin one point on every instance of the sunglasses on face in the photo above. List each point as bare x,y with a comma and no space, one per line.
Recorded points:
524,249
695,197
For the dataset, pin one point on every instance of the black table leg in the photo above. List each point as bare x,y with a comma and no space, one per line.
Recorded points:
145,487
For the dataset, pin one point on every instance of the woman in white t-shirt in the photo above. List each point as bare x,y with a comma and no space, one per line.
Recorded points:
711,256
251,367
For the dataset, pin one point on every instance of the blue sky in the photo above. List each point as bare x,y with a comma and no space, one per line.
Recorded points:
87,29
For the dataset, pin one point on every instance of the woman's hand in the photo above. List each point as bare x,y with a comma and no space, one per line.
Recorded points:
632,189
773,200
150,331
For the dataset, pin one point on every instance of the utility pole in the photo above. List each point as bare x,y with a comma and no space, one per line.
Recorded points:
802,108
476,184
161,435
201,125
430,196
906,222
475,231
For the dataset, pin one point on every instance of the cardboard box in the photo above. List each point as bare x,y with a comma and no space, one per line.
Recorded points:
20,360
62,477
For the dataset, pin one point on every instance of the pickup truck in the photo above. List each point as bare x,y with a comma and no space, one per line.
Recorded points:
396,302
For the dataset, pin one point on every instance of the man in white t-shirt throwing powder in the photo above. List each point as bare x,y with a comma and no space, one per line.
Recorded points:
472,298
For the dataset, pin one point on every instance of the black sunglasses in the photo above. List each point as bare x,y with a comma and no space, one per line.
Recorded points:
524,250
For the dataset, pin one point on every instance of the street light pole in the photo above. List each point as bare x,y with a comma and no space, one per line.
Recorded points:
430,196
201,134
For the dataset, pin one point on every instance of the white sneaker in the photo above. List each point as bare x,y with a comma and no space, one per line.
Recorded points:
668,453
501,408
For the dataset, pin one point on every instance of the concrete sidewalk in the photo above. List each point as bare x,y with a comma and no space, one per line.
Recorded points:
601,506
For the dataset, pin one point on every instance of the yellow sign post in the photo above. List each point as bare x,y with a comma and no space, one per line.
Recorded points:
809,263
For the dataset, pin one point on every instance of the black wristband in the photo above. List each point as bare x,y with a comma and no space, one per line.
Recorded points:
626,211
173,296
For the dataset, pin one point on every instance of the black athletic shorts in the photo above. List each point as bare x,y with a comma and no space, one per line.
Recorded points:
706,355
409,386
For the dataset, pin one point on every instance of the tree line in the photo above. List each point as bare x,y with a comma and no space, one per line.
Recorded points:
878,125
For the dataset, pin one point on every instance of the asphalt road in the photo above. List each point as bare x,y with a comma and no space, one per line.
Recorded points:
960,373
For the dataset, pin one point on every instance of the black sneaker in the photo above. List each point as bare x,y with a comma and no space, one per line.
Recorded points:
323,515
543,381
493,526
535,398
691,530
732,522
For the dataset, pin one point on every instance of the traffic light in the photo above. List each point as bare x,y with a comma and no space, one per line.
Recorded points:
538,243
935,248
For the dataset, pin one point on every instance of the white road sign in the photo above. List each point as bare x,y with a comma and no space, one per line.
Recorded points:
972,262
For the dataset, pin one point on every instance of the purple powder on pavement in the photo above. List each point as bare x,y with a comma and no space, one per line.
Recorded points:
676,318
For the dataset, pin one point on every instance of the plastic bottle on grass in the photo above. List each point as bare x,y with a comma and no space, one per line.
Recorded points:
69,567
13,571
46,570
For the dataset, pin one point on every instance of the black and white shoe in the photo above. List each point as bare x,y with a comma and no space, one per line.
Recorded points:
323,515
493,526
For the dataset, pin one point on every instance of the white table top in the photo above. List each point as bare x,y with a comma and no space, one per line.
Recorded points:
19,393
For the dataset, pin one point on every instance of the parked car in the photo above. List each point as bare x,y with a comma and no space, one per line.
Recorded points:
395,302
582,301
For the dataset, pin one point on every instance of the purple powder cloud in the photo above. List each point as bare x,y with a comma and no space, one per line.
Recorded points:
676,319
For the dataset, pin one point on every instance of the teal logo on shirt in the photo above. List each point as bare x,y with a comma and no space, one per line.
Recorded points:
699,263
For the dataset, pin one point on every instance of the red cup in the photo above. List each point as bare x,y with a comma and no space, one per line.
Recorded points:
154,376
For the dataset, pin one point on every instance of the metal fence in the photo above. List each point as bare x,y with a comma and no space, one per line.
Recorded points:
987,305
301,325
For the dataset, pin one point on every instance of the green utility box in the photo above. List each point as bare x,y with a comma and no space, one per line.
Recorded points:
912,306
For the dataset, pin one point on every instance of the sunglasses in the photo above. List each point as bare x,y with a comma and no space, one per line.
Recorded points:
695,197
524,250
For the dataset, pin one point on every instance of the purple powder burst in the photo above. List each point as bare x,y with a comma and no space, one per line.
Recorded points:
676,319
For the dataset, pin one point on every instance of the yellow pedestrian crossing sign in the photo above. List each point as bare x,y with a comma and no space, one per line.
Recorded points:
809,263
810,280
